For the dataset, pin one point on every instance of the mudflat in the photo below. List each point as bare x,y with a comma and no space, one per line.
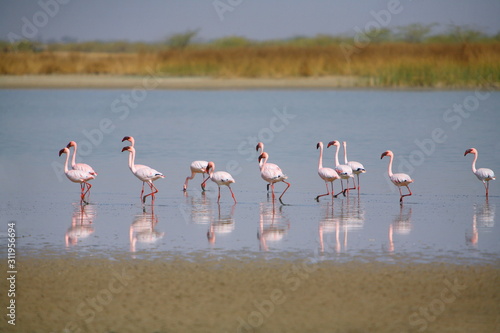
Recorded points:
71,294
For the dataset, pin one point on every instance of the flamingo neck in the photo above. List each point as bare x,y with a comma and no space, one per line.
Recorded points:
474,163
73,159
66,163
337,156
131,161
320,162
345,154
389,167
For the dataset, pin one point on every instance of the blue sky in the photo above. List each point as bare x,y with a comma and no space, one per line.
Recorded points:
154,20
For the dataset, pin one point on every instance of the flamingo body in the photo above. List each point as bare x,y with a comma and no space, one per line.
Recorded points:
327,174
398,179
79,166
220,178
343,170
272,174
196,167
77,176
146,174
483,174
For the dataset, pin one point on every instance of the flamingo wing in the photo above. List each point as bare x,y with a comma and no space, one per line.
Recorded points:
343,170
484,174
79,176
356,167
272,173
328,174
148,174
222,178
401,179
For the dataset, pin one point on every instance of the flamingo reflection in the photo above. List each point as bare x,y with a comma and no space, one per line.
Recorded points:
197,209
81,224
401,225
483,218
224,224
272,224
143,230
350,217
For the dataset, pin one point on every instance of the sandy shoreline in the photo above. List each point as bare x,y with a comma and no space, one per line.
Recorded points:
194,83
230,295
154,82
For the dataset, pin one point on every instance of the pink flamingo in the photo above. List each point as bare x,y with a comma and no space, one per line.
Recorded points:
220,178
327,174
272,173
398,179
260,146
357,168
146,174
197,167
483,174
343,170
77,176
79,166
137,166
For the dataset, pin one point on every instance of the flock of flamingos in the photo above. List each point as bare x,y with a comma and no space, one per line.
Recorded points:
82,173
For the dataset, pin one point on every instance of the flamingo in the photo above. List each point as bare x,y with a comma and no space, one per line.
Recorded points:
146,174
327,174
272,173
196,167
357,168
137,166
77,176
79,166
220,178
260,146
483,174
343,170
398,179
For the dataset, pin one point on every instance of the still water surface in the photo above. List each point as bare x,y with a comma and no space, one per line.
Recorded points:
446,219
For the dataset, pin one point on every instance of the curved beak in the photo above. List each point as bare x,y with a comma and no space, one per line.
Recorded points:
126,138
61,152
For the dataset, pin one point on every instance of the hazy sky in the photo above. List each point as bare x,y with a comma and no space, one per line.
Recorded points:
153,20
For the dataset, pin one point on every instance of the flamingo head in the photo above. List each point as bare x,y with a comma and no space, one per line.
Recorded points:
470,151
333,143
129,138
65,150
71,144
386,153
262,156
128,148
210,166
319,144
259,145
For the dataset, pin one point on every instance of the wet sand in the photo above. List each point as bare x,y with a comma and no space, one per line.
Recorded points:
231,295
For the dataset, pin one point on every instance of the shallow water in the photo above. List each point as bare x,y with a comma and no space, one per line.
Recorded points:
447,218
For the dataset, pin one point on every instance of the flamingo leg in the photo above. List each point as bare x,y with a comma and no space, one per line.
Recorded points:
203,183
142,191
284,191
187,180
272,189
404,195
232,194
486,187
218,198
327,190
343,191
349,188
152,194
85,193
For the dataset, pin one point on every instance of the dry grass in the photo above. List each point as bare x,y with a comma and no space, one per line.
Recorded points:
398,64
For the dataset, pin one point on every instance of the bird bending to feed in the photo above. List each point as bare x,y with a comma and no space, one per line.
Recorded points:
483,174
79,166
398,179
197,167
357,168
220,178
343,170
77,176
272,174
327,174
145,173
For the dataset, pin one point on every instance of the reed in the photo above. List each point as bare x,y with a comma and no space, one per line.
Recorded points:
386,64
